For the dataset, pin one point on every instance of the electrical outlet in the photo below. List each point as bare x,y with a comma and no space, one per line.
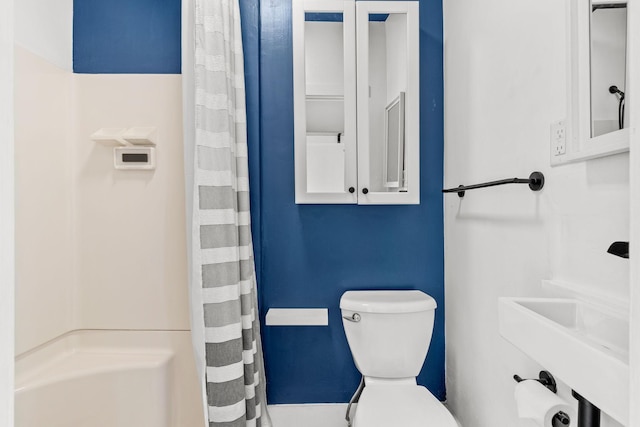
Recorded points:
558,139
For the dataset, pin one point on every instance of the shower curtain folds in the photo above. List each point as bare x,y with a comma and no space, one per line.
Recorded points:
223,281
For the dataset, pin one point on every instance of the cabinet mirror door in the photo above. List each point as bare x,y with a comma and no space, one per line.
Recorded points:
324,101
388,102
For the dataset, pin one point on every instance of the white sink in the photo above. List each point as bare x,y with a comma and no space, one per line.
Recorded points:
584,346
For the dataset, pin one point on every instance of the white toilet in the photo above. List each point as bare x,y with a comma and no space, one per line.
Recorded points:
389,334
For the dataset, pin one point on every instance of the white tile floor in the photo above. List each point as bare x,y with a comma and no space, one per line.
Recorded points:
312,415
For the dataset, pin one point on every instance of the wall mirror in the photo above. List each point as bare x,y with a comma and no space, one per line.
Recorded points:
388,101
387,74
394,161
598,78
324,101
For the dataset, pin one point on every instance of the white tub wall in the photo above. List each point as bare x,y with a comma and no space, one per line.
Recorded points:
130,224
44,246
44,208
504,85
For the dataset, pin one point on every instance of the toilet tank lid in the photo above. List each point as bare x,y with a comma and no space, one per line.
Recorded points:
387,301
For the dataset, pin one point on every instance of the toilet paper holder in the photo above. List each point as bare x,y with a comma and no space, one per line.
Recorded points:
544,377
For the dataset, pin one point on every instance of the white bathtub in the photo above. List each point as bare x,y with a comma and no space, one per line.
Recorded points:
108,379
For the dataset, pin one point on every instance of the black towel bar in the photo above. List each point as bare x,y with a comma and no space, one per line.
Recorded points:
535,181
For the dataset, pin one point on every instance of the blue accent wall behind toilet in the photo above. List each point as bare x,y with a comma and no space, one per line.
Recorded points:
311,254
306,255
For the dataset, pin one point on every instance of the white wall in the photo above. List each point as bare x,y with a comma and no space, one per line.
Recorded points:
634,109
505,82
7,253
130,248
44,205
45,27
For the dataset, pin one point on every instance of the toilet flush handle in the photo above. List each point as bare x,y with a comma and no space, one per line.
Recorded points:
353,318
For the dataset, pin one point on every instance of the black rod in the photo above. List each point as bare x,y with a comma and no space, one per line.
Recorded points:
588,413
608,6
535,181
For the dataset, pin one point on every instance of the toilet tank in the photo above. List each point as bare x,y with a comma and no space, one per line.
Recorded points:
388,331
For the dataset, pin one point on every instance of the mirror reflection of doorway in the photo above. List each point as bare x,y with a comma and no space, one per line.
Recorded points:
394,161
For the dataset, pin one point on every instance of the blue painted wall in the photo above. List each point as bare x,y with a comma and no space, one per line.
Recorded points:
250,17
127,36
311,254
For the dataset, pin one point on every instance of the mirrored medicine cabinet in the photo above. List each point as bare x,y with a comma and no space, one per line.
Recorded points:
597,123
356,101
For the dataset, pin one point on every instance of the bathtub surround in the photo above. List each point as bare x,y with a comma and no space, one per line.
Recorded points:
43,96
115,257
97,276
223,270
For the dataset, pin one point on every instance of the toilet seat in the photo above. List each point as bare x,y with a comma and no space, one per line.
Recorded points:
401,405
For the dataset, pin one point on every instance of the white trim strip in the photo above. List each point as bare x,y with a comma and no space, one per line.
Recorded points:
297,317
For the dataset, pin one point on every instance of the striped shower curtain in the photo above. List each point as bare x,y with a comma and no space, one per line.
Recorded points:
224,303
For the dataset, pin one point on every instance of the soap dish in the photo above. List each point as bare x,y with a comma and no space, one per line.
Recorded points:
111,137
140,135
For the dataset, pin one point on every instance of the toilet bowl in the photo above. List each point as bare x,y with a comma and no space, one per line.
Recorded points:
389,333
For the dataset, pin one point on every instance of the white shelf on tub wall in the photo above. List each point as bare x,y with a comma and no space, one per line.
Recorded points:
119,137
141,135
297,317
111,137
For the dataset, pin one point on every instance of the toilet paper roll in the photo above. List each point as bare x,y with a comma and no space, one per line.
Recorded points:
539,404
